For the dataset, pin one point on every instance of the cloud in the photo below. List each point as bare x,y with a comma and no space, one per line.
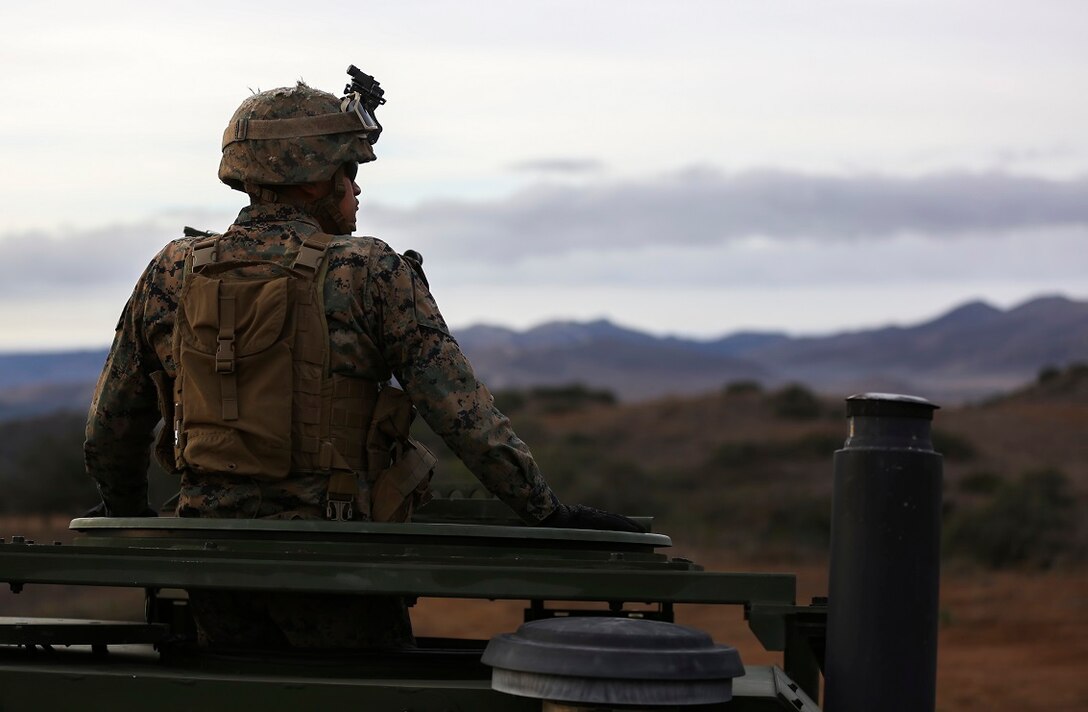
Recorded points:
561,166
71,260
703,206
698,252
697,225
910,261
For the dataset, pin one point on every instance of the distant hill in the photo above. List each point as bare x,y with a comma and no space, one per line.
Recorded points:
971,352
44,398
28,369
600,354
974,351
35,384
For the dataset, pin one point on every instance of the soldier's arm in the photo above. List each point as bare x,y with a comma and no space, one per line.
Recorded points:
123,414
428,362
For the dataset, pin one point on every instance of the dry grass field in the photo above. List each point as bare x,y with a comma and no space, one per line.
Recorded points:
742,481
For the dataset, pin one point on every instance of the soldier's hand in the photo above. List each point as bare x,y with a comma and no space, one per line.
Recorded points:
579,516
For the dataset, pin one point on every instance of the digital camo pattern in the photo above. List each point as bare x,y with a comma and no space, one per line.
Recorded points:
382,322
295,160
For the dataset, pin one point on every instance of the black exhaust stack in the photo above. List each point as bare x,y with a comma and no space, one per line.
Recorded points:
885,559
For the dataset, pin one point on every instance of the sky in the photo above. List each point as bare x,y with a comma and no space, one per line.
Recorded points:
691,168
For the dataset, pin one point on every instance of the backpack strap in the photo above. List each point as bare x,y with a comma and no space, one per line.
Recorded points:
224,358
312,253
343,481
205,252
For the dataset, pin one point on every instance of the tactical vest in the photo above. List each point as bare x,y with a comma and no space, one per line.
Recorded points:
254,396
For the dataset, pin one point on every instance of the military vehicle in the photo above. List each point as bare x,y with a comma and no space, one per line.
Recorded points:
599,606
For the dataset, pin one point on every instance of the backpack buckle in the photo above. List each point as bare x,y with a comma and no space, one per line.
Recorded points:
224,355
339,510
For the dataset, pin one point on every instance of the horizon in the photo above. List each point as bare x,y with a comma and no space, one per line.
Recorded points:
660,335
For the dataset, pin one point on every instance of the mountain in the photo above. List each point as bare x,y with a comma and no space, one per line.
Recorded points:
971,352
34,384
44,398
600,354
25,369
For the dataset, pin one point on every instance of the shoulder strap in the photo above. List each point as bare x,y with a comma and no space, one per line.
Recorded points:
309,261
205,252
312,253
343,487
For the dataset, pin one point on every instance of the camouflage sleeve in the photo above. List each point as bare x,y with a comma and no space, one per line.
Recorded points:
428,362
123,414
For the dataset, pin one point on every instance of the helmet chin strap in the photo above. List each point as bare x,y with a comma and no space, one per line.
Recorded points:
260,194
326,209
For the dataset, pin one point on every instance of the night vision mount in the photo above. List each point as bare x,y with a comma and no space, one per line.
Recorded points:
362,97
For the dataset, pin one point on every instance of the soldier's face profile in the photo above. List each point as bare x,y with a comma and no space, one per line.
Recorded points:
349,204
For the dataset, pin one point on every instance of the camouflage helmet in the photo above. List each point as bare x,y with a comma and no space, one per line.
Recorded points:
290,136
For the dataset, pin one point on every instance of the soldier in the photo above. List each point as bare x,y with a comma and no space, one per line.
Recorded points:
268,353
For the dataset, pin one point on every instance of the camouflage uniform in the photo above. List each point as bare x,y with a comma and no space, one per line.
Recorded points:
382,322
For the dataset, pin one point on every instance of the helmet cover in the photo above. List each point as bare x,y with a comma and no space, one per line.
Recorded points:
276,152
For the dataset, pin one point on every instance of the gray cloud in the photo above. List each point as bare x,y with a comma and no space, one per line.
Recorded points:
563,166
1029,154
75,260
704,206
556,226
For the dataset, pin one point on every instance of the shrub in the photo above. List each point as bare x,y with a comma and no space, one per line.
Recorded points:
795,402
811,446
42,466
1026,521
560,399
1048,374
804,523
509,401
739,388
980,482
741,453
954,447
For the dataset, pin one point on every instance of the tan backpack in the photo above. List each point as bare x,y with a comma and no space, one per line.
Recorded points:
254,397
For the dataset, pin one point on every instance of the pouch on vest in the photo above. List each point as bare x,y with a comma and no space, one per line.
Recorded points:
233,393
400,468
